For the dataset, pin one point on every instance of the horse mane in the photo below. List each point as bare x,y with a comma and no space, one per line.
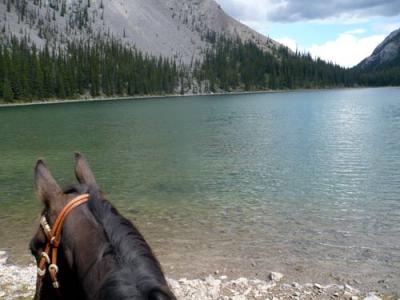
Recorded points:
138,271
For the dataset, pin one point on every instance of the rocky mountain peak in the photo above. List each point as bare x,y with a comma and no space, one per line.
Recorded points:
386,52
171,28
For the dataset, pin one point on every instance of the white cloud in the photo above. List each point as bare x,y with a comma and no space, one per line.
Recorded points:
248,10
356,31
387,28
337,11
348,49
288,42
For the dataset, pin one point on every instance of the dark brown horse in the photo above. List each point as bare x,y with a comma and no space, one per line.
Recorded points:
101,255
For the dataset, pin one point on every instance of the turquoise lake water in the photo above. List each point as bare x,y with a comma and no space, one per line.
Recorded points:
305,183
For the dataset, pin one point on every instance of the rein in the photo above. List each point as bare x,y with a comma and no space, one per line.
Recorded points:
53,235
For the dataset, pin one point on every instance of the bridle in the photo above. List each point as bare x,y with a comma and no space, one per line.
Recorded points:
53,236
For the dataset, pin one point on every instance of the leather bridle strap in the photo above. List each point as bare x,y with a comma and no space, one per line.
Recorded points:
53,236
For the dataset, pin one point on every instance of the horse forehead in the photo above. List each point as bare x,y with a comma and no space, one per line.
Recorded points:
78,215
81,222
78,188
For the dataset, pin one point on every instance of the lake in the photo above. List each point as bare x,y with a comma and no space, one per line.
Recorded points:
304,183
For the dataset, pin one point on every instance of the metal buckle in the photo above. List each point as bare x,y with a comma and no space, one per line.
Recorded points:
46,257
54,268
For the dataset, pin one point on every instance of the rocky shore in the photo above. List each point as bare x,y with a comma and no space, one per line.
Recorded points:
18,282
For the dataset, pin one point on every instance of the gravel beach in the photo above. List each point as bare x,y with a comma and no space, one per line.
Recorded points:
18,282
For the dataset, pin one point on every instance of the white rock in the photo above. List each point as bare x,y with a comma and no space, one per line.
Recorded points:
372,297
351,289
296,285
347,295
275,276
3,260
318,286
3,257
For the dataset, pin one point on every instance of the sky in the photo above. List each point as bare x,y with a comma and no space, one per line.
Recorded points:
339,31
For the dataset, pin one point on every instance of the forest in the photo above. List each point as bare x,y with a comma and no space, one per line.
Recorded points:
86,68
232,65
107,68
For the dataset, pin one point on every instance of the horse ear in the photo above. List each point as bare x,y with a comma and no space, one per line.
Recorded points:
45,185
82,170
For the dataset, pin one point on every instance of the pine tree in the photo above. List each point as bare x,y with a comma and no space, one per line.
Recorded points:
8,94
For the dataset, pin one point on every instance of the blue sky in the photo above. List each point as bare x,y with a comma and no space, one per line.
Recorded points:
342,31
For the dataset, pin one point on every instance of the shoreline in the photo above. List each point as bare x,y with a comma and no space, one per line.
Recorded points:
19,282
167,96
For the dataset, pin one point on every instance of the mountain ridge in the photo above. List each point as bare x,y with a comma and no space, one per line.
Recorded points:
174,28
385,54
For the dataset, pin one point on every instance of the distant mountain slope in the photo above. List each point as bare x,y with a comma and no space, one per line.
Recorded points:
382,68
176,29
386,55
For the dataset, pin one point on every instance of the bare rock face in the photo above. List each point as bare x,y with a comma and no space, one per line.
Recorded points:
387,52
178,29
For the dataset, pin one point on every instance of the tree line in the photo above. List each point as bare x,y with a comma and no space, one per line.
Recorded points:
232,64
81,68
383,74
109,68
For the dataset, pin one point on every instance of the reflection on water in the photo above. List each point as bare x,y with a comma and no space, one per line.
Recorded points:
307,183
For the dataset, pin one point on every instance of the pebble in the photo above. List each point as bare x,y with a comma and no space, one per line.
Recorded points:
3,257
372,297
318,286
347,295
275,276
351,289
296,285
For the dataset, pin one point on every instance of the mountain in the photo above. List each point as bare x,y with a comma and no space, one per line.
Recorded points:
382,68
60,49
386,55
179,29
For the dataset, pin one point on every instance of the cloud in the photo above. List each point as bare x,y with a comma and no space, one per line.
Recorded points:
387,28
247,10
302,10
288,42
356,31
348,49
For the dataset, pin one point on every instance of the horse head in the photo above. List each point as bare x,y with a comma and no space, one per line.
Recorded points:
85,249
